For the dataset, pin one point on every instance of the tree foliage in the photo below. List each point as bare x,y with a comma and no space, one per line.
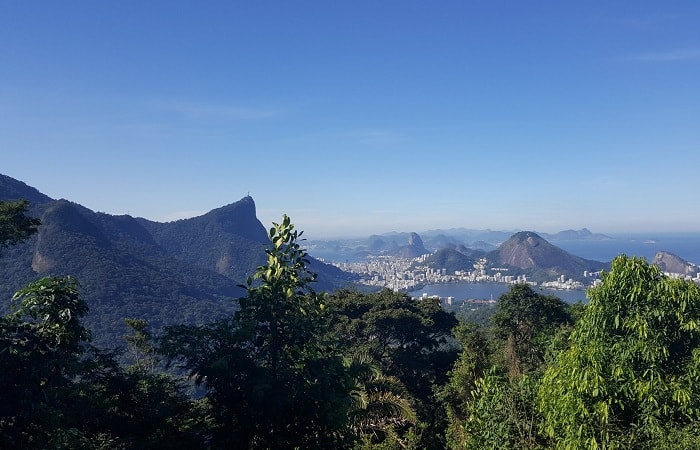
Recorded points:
271,379
632,370
40,343
59,392
15,225
409,339
491,393
525,320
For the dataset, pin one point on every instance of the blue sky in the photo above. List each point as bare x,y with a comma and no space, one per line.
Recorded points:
360,117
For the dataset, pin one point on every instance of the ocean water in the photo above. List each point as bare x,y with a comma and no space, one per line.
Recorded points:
684,245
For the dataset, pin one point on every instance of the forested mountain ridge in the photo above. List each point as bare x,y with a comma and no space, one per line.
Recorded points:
188,271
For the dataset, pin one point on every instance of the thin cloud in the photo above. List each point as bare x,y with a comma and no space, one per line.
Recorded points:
668,56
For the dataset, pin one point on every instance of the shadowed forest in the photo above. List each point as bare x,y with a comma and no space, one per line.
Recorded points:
295,368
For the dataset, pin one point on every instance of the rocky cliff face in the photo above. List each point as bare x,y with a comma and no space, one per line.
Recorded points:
668,262
414,249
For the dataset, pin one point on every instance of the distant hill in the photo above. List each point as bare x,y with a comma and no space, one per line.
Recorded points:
453,258
576,235
668,262
186,271
388,244
527,250
524,253
413,249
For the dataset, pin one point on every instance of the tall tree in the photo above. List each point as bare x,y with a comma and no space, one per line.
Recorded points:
409,339
630,377
40,346
271,380
457,394
525,320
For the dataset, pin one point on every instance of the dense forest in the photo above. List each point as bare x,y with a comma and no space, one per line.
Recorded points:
295,368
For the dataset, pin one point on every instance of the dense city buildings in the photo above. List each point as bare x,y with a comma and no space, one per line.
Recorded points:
410,274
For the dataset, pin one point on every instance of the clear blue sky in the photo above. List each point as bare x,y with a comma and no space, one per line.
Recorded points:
359,117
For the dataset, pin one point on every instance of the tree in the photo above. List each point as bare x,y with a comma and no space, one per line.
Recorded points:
141,351
525,320
457,394
271,380
631,374
277,315
491,396
409,339
15,226
501,413
381,403
41,342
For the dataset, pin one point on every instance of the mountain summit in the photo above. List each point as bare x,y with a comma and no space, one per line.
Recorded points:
187,271
527,250
413,249
668,262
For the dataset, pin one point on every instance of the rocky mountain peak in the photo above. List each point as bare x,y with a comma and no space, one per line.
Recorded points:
414,248
668,262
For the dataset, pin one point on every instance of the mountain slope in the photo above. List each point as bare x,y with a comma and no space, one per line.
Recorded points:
527,250
228,240
187,271
453,258
122,271
413,249
668,262
11,189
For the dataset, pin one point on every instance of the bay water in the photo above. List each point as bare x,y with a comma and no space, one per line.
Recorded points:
646,245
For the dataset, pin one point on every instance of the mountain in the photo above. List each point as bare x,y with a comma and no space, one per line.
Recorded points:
226,240
413,249
388,244
670,263
527,250
453,258
378,244
188,271
11,189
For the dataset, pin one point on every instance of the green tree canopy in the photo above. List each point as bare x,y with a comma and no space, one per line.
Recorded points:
270,378
632,372
409,339
490,398
15,225
40,344
525,320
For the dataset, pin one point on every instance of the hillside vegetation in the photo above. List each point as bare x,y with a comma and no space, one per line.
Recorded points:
187,271
293,368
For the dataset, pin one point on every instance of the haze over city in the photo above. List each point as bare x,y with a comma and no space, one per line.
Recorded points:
360,117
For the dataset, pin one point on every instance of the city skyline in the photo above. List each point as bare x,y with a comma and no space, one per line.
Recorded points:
360,118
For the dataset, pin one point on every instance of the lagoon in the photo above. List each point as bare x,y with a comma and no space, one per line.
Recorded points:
487,291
